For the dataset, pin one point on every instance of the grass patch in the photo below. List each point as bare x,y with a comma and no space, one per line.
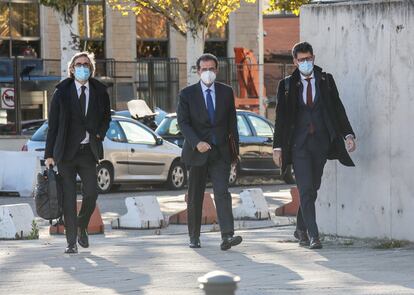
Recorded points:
392,244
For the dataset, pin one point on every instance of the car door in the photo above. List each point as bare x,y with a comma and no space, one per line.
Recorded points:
263,131
249,145
146,159
116,150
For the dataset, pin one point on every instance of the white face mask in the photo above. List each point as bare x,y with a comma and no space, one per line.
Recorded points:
208,77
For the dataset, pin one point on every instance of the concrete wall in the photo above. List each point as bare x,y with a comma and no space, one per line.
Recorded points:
368,46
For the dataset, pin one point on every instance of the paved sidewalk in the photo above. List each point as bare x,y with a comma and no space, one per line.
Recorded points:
154,262
268,262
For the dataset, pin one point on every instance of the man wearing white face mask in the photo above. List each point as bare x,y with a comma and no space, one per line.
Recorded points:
311,127
78,120
207,118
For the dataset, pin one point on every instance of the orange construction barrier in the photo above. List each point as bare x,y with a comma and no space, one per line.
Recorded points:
248,77
291,208
209,214
96,225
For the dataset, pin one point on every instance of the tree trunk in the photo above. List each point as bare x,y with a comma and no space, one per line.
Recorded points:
69,41
195,48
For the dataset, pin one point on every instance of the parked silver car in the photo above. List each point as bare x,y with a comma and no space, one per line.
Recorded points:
133,153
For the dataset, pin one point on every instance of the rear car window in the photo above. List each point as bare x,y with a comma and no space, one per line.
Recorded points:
41,133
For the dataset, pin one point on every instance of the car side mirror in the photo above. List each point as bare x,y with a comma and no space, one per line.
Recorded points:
159,141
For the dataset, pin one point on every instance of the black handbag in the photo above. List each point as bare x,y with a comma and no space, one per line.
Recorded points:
48,195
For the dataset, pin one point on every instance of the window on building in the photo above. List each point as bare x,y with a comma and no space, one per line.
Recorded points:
91,20
152,35
216,40
19,28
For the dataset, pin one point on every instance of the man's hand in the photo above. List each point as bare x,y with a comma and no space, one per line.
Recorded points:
277,157
49,161
350,144
203,147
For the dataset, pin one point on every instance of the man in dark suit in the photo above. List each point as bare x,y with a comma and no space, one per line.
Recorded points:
207,116
78,120
311,127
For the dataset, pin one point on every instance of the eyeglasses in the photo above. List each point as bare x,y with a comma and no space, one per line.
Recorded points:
212,69
308,58
85,65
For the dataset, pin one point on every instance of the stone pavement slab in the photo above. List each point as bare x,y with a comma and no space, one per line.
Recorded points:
268,262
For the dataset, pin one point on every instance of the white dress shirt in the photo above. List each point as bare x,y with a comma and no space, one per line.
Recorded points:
79,91
212,92
305,87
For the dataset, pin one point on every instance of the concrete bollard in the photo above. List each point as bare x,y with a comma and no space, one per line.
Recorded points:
219,283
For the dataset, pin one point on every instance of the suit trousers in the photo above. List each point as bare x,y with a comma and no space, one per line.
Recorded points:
308,163
219,172
84,164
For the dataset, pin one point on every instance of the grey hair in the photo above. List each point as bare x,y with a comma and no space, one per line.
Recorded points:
89,55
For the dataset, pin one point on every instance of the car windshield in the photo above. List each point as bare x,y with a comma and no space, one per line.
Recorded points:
41,133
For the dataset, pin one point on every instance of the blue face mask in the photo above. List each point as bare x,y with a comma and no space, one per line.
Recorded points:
82,73
306,67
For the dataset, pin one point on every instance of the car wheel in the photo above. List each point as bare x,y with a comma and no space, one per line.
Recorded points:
105,177
234,174
289,176
177,177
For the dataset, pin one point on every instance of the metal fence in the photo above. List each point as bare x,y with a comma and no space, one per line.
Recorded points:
28,84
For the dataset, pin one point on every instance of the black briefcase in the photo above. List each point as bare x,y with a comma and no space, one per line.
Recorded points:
48,195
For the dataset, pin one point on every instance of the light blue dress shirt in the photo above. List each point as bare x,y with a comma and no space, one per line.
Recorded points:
213,93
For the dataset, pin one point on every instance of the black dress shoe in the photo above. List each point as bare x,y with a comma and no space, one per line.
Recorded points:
194,243
229,242
83,238
315,243
71,249
302,236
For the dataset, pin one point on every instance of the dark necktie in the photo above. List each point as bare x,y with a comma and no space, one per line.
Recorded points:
210,106
210,109
309,100
309,103
82,99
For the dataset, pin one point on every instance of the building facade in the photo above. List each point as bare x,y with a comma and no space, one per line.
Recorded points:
138,56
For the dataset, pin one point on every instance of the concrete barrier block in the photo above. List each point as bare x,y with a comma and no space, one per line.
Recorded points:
15,221
18,172
253,205
143,213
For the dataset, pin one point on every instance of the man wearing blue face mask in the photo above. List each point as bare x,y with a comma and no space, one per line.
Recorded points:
311,127
78,120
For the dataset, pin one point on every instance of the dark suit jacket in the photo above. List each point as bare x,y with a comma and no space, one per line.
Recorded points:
194,123
60,116
286,113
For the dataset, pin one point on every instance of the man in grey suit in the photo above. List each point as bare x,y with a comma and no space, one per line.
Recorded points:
207,116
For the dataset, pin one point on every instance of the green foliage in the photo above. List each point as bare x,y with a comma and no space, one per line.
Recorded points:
287,5
391,244
184,15
34,234
63,7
